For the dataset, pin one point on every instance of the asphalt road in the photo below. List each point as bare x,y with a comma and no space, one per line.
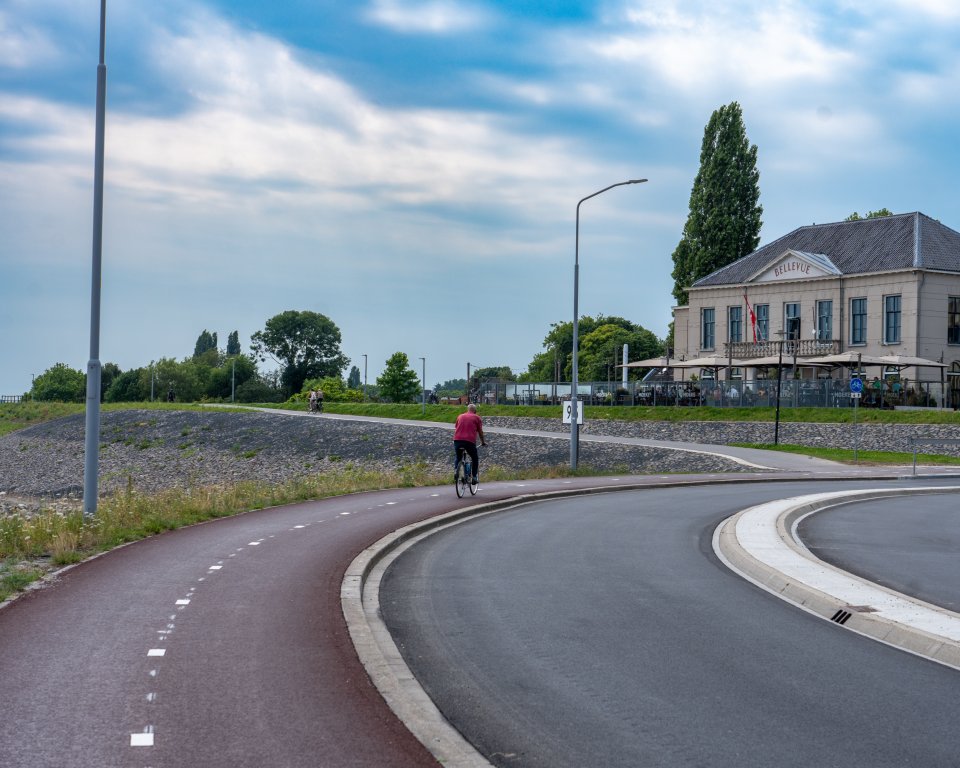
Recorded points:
900,543
602,631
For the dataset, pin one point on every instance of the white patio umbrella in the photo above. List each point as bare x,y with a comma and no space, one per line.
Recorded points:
907,361
716,362
848,358
710,361
651,362
764,362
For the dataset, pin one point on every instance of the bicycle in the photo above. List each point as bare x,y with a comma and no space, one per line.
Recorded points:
463,474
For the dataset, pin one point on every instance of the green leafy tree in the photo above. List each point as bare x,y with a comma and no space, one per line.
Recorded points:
233,344
399,383
724,220
262,388
602,348
871,215
334,390
502,372
233,372
306,345
600,338
206,342
127,387
60,383
451,388
353,380
108,373
187,380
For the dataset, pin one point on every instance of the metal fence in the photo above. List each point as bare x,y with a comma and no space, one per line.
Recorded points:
794,393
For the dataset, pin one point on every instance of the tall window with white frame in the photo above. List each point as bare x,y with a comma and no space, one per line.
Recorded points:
790,310
891,319
858,321
763,321
708,323
825,320
953,320
734,324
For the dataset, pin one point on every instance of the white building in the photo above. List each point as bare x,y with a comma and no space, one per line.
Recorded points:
878,287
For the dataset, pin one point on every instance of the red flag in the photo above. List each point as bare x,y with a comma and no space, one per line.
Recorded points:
753,317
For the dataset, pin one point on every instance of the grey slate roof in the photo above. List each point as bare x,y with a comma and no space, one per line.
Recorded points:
885,244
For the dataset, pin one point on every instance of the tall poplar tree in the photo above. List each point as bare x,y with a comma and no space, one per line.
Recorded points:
724,220
206,341
233,344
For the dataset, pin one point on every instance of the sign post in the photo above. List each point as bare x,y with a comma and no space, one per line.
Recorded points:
568,412
856,390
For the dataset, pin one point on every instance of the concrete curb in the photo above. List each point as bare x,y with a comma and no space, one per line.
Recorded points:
761,544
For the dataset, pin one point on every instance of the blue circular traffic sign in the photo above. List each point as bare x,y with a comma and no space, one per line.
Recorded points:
856,385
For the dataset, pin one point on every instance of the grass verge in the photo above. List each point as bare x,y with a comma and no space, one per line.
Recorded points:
862,457
449,413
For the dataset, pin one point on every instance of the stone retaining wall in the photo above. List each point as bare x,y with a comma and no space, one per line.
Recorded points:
872,437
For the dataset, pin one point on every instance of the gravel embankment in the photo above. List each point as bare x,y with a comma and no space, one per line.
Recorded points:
154,450
151,451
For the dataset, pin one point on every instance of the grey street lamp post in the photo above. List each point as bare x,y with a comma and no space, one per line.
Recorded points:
364,377
91,466
423,387
776,421
574,426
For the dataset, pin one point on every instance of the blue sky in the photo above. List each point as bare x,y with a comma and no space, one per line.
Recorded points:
411,168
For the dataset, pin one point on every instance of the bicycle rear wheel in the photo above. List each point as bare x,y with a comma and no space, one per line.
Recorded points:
460,479
474,486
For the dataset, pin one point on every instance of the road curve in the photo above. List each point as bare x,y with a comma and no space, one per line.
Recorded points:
603,631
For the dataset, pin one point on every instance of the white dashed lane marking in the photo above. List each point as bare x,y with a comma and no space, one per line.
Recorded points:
146,738
141,739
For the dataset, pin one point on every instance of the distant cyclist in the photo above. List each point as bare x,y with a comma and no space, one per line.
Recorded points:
468,428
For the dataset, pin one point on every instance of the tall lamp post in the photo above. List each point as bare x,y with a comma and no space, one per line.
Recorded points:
776,422
92,431
792,333
364,377
423,387
574,426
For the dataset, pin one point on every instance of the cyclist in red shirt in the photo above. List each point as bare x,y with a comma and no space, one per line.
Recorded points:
468,428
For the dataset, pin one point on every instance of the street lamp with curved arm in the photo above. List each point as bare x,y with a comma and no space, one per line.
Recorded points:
574,427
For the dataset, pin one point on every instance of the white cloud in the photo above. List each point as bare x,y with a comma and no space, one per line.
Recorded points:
941,10
434,17
23,45
737,48
275,139
805,141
